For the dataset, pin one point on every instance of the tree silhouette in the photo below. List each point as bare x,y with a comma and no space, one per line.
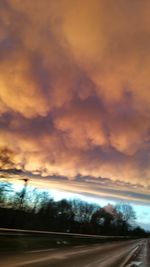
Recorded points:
6,158
38,210
127,212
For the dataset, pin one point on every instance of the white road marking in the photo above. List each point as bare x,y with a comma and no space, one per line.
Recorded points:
41,250
33,261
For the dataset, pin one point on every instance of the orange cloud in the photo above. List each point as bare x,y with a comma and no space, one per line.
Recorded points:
74,87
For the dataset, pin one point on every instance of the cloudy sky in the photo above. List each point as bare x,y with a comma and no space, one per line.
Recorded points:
75,94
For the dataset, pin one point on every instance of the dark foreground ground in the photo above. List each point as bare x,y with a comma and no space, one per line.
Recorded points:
129,253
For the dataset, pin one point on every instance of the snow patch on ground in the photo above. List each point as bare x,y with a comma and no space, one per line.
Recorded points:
134,264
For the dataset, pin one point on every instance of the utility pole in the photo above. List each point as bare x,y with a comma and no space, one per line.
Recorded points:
23,192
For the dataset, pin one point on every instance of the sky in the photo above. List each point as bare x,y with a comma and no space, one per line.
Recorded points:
74,95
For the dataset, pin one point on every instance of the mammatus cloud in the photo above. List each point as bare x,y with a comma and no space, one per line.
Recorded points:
74,88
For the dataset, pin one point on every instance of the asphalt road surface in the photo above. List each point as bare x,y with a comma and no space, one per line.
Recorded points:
115,254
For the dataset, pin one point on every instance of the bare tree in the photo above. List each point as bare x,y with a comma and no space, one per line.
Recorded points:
127,212
6,158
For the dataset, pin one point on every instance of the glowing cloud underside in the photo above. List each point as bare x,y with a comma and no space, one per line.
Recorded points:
74,90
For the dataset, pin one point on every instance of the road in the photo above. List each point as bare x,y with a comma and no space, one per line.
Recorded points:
112,254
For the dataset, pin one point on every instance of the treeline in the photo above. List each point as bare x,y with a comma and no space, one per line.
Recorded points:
33,209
